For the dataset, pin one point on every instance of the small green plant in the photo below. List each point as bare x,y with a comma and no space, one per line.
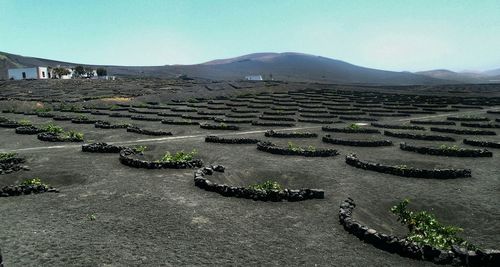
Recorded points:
73,135
266,186
294,147
353,126
83,118
33,182
311,148
91,217
25,122
425,229
114,107
53,128
179,156
402,167
140,149
7,156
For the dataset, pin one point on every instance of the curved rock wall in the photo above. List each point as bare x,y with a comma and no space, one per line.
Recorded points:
408,172
405,248
273,149
241,192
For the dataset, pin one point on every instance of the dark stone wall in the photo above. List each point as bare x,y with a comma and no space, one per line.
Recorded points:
126,158
456,256
272,133
462,152
467,132
216,139
148,132
419,136
273,149
241,192
364,143
481,143
348,130
408,172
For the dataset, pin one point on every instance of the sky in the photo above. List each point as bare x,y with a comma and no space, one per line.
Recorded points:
392,35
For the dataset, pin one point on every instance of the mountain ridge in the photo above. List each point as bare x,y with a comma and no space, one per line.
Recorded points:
287,66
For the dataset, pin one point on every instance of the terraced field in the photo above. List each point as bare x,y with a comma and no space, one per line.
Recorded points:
328,143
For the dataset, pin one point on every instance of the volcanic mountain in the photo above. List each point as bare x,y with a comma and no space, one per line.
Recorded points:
277,66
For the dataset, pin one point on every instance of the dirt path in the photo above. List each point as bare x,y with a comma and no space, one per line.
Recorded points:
160,140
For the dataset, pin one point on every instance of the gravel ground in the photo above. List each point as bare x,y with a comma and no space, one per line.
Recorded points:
108,214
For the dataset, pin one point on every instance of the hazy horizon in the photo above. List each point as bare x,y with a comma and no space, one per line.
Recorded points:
388,35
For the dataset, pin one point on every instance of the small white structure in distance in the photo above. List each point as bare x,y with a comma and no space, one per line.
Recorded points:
254,78
29,73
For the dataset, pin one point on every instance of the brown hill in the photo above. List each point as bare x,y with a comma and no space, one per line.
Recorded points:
281,66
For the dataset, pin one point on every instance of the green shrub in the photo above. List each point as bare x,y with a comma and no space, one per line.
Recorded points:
425,229
353,126
114,107
179,156
25,122
73,135
266,186
401,167
83,117
33,182
140,149
7,155
53,128
295,147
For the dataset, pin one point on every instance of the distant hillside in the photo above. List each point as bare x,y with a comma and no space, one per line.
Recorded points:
8,61
464,77
282,66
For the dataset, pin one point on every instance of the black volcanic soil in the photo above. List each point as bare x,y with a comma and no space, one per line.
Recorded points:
158,217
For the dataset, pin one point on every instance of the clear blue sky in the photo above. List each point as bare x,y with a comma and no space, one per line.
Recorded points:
393,35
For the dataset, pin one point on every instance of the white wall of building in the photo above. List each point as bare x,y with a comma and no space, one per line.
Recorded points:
28,73
254,78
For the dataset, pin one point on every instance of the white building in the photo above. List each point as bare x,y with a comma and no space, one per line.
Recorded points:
29,73
254,78
67,76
